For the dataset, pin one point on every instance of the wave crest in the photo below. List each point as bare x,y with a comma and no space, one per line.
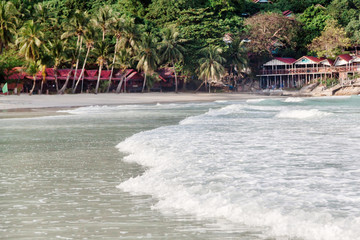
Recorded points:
302,114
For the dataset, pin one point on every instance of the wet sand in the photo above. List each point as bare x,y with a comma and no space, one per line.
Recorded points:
42,105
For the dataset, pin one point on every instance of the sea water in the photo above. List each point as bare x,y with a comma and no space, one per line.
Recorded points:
286,168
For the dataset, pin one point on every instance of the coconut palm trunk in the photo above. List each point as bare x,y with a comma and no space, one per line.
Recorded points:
200,86
176,80
77,63
144,84
63,88
56,79
33,87
209,86
112,67
41,86
82,71
123,79
98,80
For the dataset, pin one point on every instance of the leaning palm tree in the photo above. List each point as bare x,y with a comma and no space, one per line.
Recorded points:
211,64
90,36
8,22
101,51
147,56
104,19
171,51
71,57
124,61
77,26
57,53
117,30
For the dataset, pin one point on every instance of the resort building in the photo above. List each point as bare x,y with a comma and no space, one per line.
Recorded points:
291,73
131,80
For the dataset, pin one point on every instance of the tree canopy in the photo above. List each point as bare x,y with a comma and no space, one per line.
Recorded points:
244,32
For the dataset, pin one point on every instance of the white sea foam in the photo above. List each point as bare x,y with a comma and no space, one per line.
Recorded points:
224,166
302,114
213,112
91,109
293,100
255,100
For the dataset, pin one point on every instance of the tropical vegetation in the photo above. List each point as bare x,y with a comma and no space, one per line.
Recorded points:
202,41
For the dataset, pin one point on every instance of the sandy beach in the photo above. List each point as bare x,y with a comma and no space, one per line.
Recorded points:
25,102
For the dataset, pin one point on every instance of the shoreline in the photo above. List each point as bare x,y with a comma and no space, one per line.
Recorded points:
18,106
24,102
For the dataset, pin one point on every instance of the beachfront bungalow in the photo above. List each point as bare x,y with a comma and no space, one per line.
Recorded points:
288,72
133,83
275,73
167,76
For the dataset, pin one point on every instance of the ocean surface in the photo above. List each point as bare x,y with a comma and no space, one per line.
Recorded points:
286,168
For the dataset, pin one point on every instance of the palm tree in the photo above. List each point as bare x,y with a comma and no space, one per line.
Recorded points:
77,26
8,21
131,38
57,53
117,30
147,56
101,51
104,19
124,61
236,55
90,36
42,14
211,64
33,68
30,40
31,45
71,56
171,51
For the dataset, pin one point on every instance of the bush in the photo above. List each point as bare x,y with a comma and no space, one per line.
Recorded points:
331,82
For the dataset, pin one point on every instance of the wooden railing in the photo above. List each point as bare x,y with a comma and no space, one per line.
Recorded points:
311,70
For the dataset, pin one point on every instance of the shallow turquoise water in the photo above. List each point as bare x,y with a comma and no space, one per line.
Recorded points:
256,169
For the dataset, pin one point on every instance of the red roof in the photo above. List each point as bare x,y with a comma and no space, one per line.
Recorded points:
311,58
345,57
287,13
50,72
105,74
286,60
63,72
91,73
331,62
16,76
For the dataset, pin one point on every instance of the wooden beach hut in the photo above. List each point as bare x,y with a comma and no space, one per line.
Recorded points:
276,73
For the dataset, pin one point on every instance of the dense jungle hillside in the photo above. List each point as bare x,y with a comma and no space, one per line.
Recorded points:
199,38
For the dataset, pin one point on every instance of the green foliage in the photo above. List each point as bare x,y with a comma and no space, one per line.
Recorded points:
8,22
353,30
343,11
314,19
69,29
9,60
329,82
297,6
332,41
132,7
